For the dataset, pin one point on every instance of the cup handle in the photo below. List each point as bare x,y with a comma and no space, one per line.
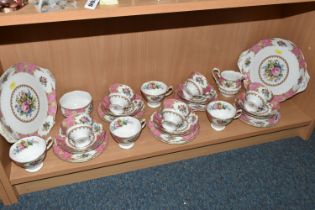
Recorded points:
49,143
169,91
143,123
216,74
238,113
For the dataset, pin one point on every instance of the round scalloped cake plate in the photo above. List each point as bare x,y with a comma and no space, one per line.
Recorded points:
27,100
278,64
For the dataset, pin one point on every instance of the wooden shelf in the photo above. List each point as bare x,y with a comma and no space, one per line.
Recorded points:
29,15
147,146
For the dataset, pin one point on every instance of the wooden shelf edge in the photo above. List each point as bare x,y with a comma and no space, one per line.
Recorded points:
28,15
37,185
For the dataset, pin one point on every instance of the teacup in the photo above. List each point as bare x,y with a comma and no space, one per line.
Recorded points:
256,97
221,113
118,103
122,89
192,89
171,120
126,130
75,119
75,102
80,136
177,106
229,82
155,91
30,152
200,79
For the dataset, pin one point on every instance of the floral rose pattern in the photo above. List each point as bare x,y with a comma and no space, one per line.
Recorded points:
152,86
273,71
24,144
119,123
25,104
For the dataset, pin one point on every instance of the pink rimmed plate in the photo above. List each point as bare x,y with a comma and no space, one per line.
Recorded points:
137,109
27,101
278,64
77,157
170,138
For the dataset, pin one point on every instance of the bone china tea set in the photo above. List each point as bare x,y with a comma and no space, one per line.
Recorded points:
271,71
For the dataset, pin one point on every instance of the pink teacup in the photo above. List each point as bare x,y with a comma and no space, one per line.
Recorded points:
73,120
123,90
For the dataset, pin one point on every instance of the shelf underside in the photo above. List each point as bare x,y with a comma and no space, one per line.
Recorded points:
147,146
29,15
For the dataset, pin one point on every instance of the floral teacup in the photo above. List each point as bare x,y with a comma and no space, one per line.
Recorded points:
171,120
177,106
221,113
200,79
75,102
155,91
257,96
118,103
229,82
30,152
126,130
75,119
80,136
192,89
123,90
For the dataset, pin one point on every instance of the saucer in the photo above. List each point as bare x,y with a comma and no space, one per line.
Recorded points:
260,122
171,138
137,110
102,140
197,104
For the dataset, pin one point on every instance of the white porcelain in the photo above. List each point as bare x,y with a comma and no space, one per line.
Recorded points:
221,113
30,152
27,101
278,64
155,91
75,119
75,102
192,89
177,106
254,101
118,103
126,130
200,79
171,120
228,81
123,90
80,135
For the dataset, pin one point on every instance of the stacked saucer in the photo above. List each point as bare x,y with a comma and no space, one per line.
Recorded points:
259,107
80,139
196,92
121,101
175,123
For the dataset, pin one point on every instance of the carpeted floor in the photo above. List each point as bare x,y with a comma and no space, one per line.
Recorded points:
278,175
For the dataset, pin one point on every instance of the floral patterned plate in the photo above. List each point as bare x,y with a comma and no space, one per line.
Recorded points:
278,64
78,157
27,101
137,109
170,138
